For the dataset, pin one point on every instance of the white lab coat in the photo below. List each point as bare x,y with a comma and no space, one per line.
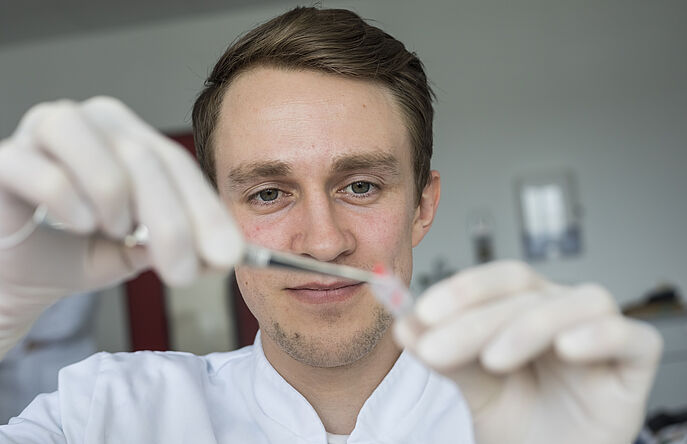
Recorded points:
234,397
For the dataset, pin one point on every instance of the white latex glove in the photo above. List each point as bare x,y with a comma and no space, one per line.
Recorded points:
101,170
538,363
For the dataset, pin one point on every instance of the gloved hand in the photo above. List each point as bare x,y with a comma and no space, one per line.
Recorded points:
538,363
102,171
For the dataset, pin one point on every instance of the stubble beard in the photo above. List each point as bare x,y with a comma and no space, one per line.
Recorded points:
323,352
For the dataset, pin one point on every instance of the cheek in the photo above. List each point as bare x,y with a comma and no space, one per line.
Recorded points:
254,285
384,230
245,283
267,231
385,235
391,238
264,230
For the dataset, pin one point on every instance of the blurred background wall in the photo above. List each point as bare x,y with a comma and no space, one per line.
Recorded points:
597,87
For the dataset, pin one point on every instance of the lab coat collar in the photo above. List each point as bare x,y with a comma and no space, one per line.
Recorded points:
397,404
282,403
389,414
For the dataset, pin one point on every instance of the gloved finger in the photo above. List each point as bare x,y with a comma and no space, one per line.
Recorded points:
22,136
474,286
530,334
93,262
216,237
459,341
157,205
110,262
17,213
65,135
407,331
23,140
216,234
636,346
36,179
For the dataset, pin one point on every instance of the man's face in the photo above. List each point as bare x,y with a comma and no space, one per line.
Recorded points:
320,166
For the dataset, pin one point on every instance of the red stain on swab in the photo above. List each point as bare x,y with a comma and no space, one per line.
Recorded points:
387,289
396,298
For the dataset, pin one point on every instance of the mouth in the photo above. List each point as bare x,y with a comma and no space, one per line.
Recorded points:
319,292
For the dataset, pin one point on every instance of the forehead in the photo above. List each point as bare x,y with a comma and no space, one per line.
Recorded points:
305,116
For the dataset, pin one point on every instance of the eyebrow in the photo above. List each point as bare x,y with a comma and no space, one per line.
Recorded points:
384,163
249,172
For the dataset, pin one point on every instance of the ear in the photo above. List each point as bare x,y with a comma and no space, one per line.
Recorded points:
427,208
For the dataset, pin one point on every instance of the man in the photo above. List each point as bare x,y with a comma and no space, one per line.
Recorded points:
316,130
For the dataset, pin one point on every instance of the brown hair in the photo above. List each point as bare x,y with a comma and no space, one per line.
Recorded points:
335,41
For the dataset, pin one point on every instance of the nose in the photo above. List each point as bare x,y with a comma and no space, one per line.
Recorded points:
321,232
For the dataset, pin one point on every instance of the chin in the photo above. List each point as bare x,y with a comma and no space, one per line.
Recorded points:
328,348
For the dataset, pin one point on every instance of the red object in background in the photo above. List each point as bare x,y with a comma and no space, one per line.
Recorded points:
185,139
147,313
147,308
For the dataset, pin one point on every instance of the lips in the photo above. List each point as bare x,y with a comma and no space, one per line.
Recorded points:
319,292
324,286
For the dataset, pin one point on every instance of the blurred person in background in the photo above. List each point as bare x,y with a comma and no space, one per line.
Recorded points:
61,336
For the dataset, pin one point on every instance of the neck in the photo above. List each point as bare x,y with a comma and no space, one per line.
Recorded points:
337,394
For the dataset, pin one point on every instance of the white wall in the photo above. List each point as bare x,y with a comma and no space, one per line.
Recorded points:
595,86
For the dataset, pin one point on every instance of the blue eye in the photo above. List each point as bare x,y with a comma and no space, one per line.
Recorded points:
268,194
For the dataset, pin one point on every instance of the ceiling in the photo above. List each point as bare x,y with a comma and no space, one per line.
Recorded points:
27,20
